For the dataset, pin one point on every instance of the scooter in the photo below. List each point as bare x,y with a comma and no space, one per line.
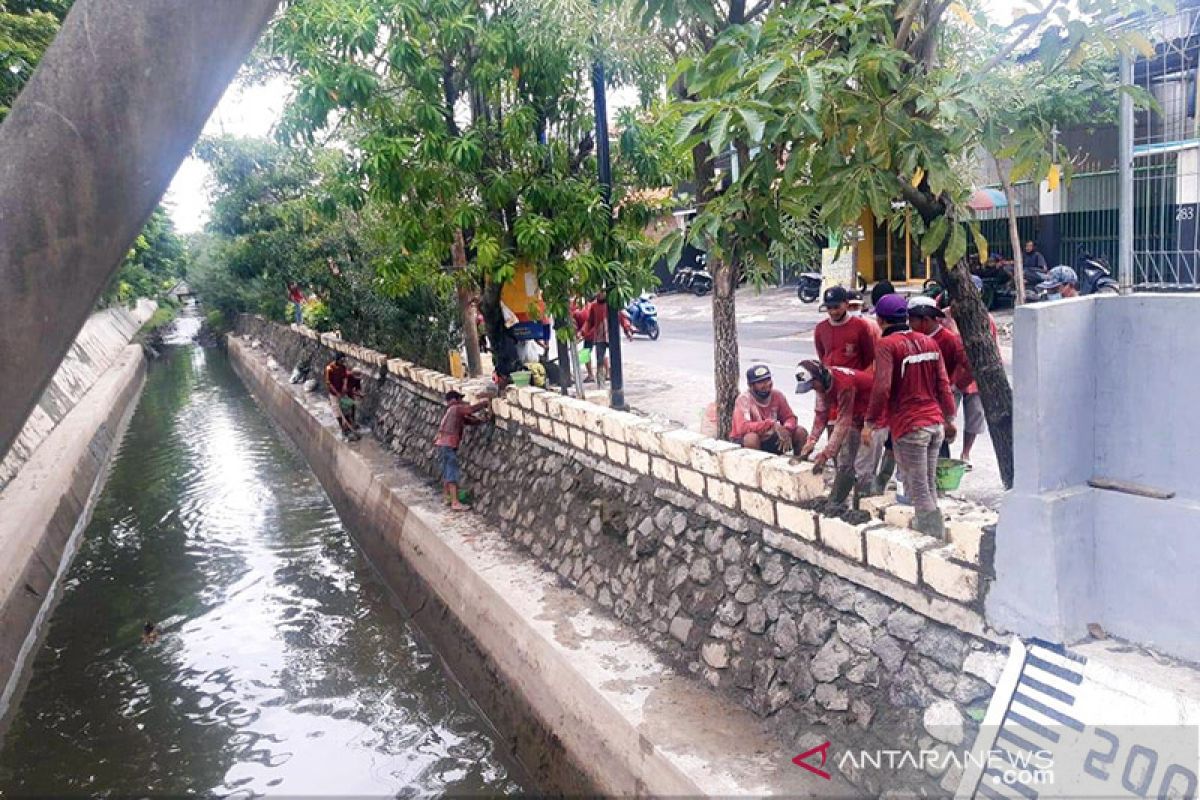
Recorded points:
809,288
697,280
1095,277
643,316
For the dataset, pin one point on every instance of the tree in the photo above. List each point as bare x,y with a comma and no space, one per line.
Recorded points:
857,104
26,29
469,124
694,33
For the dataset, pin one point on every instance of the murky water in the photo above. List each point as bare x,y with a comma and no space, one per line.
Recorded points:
281,667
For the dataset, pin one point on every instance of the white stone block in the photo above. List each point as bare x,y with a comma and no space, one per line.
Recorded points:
692,481
617,423
647,438
541,403
677,445
799,521
639,462
946,577
722,492
899,516
546,425
841,537
787,481
593,418
500,408
662,469
758,505
562,432
741,466
574,411
706,455
578,439
897,551
597,444
967,537
616,451
525,396
875,506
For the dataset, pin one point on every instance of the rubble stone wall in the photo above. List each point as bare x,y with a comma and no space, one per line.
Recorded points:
715,554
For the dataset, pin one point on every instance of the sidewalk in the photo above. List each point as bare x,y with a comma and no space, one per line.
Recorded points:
672,379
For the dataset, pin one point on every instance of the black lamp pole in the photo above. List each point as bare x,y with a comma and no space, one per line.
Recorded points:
604,170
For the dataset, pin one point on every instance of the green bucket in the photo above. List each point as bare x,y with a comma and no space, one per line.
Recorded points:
950,473
520,378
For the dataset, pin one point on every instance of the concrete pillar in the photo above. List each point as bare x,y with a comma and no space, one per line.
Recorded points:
87,151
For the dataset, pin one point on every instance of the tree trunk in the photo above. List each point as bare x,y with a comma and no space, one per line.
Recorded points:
1014,235
984,356
504,347
465,309
725,344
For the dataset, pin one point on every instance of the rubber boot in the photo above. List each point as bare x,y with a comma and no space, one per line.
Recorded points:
887,468
843,482
931,524
865,487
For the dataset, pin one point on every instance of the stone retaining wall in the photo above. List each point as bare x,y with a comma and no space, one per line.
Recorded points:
93,352
711,551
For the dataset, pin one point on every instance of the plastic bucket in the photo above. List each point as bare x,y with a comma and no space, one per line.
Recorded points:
520,378
950,473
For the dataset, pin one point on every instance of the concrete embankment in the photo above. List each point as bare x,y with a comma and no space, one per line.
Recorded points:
48,502
585,704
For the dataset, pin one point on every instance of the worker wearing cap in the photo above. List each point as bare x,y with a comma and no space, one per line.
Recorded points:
912,388
1061,283
762,418
843,340
849,391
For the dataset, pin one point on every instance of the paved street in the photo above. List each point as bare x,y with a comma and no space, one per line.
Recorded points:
673,377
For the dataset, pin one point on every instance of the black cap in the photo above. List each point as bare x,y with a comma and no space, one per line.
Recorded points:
759,372
836,295
926,311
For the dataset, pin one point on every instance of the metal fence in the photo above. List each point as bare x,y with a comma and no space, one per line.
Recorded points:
1166,155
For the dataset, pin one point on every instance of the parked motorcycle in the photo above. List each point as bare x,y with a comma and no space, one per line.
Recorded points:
643,316
697,280
809,288
1095,277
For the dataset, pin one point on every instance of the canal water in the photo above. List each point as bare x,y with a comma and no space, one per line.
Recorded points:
281,666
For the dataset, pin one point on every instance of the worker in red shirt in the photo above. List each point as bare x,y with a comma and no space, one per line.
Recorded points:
762,418
913,390
449,437
849,391
925,317
843,340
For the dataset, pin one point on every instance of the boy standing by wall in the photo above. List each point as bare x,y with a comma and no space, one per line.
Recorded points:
449,436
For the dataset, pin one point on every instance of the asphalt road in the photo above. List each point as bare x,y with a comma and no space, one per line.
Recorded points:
672,378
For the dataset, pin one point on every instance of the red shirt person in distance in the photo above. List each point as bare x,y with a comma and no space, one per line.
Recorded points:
913,390
762,418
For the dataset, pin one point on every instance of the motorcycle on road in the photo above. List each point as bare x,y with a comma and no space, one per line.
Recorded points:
643,317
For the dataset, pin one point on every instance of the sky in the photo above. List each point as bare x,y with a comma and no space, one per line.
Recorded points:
252,110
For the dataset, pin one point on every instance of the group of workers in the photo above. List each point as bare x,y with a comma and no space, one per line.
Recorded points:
887,388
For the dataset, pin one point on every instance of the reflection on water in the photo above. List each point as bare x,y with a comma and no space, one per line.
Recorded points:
281,667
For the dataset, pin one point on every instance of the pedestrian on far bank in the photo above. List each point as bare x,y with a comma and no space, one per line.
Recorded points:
912,390
449,438
762,418
296,297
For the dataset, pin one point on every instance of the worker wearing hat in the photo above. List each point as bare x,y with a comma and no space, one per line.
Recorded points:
843,340
848,390
912,390
1061,283
762,418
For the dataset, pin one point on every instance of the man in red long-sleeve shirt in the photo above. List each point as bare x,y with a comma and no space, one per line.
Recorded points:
762,418
843,340
925,317
849,391
911,387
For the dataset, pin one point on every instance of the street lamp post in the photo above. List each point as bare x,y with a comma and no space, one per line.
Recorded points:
604,171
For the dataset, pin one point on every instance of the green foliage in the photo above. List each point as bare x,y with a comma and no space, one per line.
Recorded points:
156,262
26,29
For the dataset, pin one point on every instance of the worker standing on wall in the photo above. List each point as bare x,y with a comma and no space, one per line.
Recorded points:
912,389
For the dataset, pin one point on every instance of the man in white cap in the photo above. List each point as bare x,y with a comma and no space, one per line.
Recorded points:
848,391
762,418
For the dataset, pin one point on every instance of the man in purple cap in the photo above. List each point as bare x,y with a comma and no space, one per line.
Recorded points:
912,391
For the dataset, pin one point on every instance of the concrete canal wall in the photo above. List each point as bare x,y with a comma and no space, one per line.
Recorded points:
862,627
48,501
